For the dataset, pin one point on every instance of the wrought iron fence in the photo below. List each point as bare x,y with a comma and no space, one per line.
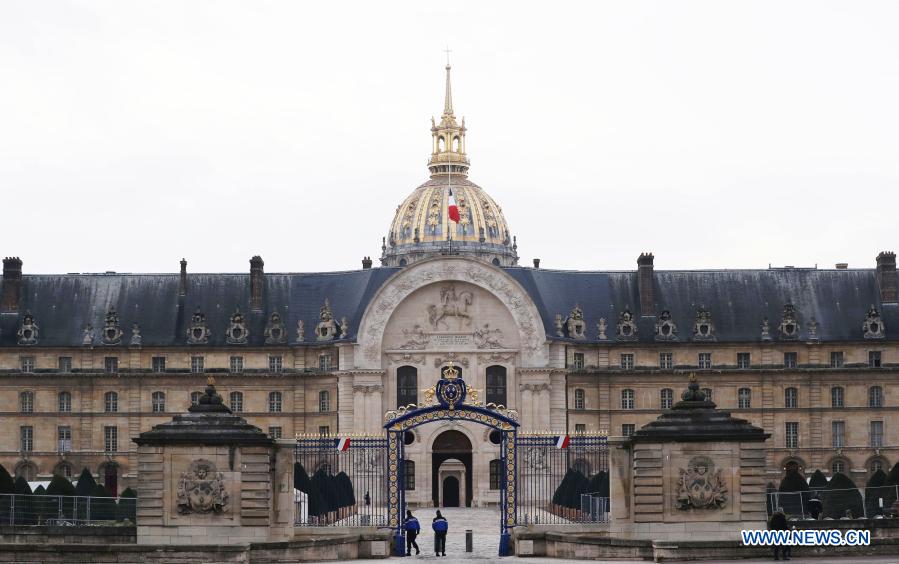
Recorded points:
552,480
30,509
341,481
849,503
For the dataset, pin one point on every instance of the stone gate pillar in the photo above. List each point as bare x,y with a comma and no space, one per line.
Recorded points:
694,470
206,478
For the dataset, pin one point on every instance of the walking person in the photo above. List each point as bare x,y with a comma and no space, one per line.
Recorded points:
412,528
778,522
440,526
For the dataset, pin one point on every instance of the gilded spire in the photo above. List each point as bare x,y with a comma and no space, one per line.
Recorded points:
448,102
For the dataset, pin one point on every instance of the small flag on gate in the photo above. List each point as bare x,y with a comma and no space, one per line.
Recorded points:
343,444
562,441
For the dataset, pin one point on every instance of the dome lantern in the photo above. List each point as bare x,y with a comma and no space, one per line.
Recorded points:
448,139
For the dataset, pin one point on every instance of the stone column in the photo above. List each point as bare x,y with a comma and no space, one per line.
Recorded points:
527,407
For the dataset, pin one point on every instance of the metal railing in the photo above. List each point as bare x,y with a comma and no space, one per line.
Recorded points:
30,509
849,503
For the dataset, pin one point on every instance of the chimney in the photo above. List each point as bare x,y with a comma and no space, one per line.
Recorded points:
12,284
842,266
536,263
182,285
256,283
886,276
366,263
644,284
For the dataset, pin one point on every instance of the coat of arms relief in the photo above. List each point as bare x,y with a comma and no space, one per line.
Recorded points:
202,490
700,485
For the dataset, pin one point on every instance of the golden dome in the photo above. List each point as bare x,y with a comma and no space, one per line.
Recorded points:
422,226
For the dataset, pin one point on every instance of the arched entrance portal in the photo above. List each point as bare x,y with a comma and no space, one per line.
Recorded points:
451,457
450,491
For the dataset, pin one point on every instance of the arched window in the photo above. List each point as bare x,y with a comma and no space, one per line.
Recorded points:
791,397
408,475
496,385
456,145
63,469
838,465
836,396
580,399
274,402
158,402
875,396
65,402
877,464
111,402
441,144
666,398
26,402
496,474
406,386
627,399
26,470
236,399
744,398
195,398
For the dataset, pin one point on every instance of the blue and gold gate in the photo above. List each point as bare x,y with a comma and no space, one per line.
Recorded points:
451,400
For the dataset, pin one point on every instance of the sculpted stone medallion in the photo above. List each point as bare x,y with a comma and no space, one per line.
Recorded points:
202,490
701,486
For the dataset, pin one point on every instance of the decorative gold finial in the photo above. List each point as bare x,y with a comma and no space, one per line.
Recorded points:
210,380
450,372
692,376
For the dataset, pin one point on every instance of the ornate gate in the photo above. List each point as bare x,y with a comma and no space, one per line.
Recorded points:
451,400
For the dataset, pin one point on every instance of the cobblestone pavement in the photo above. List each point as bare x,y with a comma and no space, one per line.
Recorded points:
485,525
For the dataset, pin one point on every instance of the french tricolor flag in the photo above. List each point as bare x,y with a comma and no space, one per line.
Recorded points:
453,209
343,444
562,441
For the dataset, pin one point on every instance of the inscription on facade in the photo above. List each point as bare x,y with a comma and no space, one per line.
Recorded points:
451,340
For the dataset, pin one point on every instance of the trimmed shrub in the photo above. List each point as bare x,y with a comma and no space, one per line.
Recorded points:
794,493
841,495
86,483
102,505
818,481
59,487
7,484
24,510
875,490
127,507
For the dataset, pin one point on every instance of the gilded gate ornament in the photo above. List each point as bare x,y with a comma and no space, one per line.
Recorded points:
700,485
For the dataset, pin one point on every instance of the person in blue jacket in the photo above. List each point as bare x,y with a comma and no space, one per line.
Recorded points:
440,526
412,528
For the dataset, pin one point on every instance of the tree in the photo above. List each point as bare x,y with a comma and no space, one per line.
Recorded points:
24,511
7,484
127,507
40,504
842,495
875,490
86,483
102,505
818,481
60,494
793,493
890,487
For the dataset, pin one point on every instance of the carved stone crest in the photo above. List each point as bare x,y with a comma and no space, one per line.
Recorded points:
112,333
700,485
28,332
136,338
487,338
666,329
301,331
703,328
601,329
198,332
789,324
812,329
766,330
202,490
344,327
237,333
452,304
326,329
575,323
87,338
627,327
873,327
274,332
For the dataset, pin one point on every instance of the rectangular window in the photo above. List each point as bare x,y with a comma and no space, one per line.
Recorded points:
275,363
836,359
236,364
236,402
158,363
705,360
408,475
627,361
874,359
64,363
742,360
837,434
792,434
666,360
274,402
627,429
64,439
324,431
496,474
744,398
196,364
708,393
876,436
790,359
666,398
26,363
324,401
578,361
26,402
110,439
580,428
324,362
274,432
580,399
111,364
26,434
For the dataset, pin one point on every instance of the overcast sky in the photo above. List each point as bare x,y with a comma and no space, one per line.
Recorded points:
715,134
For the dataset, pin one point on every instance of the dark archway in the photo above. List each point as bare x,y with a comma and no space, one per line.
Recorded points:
450,492
110,474
447,445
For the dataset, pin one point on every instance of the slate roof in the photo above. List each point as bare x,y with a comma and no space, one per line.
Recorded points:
738,300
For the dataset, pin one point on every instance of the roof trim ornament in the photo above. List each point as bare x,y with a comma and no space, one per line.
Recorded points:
873,326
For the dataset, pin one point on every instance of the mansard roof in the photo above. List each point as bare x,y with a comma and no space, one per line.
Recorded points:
738,301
